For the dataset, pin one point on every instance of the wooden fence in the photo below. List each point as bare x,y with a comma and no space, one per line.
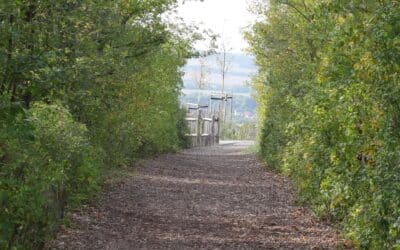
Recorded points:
204,127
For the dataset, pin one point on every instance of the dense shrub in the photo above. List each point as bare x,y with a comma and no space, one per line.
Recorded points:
46,163
328,88
84,85
244,131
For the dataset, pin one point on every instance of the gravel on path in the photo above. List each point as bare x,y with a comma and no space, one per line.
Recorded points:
219,197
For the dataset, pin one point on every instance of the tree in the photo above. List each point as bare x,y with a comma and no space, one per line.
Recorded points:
224,61
201,77
84,86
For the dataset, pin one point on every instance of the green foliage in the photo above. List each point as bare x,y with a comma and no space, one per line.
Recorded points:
245,131
84,85
47,162
183,129
328,89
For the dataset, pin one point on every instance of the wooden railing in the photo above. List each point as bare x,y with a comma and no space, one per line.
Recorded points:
204,127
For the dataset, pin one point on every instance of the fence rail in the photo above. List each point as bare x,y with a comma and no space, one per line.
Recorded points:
204,127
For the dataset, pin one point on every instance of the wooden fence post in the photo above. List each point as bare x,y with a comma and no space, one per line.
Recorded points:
213,130
218,128
198,129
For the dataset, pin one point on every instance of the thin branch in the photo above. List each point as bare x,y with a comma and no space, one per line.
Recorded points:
297,10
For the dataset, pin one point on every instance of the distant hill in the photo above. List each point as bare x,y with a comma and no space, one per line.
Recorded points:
242,68
236,82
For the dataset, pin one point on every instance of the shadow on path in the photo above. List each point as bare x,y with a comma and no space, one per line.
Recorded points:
204,198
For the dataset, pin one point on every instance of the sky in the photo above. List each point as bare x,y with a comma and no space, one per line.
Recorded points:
223,17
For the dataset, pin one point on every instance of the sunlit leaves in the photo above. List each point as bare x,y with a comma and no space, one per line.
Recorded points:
84,85
329,97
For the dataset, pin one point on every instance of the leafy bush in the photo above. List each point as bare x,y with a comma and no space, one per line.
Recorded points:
46,164
116,65
328,89
182,129
245,131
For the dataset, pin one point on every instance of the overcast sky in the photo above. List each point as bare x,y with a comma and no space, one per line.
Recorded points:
224,17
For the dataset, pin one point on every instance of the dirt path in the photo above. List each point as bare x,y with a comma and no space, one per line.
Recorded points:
210,198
